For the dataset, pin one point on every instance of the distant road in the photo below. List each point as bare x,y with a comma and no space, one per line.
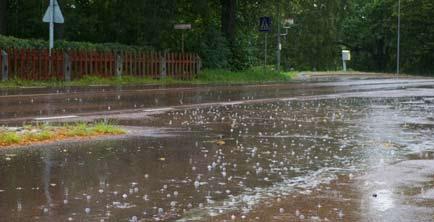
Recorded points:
21,105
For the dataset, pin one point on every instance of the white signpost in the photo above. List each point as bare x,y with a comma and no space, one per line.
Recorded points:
182,27
53,15
346,56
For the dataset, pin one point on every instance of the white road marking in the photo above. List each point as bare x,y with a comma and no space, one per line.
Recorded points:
54,118
158,109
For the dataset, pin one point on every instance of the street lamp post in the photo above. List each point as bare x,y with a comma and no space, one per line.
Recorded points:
182,27
279,44
287,25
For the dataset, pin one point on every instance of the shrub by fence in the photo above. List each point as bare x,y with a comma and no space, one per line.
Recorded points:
37,64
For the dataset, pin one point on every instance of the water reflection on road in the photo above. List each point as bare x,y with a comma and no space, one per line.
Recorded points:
240,161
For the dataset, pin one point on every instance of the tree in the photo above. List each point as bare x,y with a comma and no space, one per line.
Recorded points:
370,31
228,18
3,14
225,32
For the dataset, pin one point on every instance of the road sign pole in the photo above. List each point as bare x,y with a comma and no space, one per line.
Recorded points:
265,52
182,28
51,16
50,65
51,46
279,46
398,44
265,26
182,42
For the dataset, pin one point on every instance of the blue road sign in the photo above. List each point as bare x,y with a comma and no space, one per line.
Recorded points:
265,24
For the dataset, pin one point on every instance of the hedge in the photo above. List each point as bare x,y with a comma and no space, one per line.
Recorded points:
12,42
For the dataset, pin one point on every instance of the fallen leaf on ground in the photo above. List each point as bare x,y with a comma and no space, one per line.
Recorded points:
220,142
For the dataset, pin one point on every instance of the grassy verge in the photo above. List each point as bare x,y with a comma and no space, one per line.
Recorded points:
254,75
44,133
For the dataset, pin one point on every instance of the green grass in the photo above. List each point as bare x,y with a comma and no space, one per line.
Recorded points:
105,128
9,138
40,133
78,129
85,129
208,76
254,75
44,134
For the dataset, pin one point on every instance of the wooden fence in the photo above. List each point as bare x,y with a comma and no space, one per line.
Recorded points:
34,64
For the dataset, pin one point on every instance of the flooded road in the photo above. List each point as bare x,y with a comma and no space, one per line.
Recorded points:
347,149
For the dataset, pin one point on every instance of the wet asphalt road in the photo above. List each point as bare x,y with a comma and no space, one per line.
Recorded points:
26,104
346,148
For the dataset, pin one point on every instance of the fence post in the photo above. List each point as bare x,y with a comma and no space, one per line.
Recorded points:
163,66
67,66
119,65
4,66
199,64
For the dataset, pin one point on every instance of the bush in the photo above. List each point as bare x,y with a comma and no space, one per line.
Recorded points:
243,56
12,42
214,52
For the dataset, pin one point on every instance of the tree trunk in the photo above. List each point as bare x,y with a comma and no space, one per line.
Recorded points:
228,19
3,14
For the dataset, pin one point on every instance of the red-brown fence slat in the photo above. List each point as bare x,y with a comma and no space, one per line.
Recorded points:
143,64
168,63
186,66
152,65
190,59
33,64
147,67
178,63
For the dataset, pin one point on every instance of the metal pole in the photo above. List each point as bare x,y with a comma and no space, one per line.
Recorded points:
278,55
51,44
51,27
265,58
285,62
398,48
182,42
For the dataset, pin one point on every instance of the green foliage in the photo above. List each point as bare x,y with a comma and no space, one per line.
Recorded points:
100,128
214,49
322,30
7,138
93,80
12,42
311,43
78,129
417,48
243,53
370,31
207,76
107,128
46,132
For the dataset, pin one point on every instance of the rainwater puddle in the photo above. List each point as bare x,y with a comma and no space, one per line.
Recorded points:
225,159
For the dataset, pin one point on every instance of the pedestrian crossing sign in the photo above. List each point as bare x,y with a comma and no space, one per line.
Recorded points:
265,24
